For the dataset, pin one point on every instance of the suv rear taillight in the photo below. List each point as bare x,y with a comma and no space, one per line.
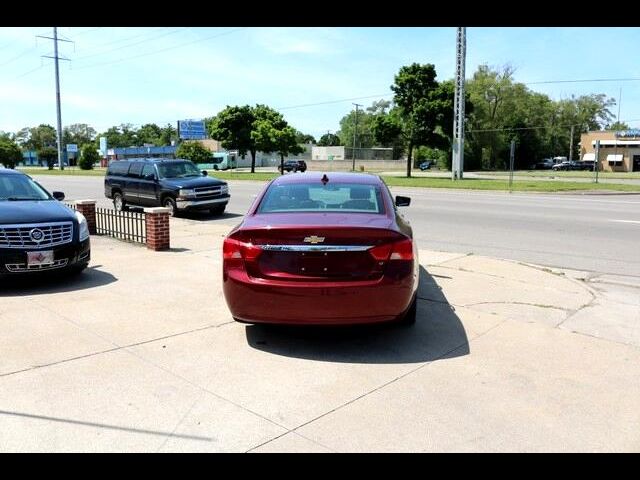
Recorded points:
401,250
233,249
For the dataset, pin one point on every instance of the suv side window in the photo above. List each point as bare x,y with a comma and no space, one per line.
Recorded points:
148,170
118,168
136,170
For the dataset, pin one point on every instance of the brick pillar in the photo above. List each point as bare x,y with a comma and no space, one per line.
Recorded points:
88,209
157,223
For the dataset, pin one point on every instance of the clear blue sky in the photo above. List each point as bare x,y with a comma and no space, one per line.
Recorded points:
163,74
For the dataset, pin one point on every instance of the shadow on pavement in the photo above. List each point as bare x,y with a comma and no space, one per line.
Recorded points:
54,282
206,216
197,215
437,334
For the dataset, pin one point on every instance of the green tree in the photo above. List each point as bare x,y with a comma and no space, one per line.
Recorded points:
505,110
365,137
618,126
22,137
271,138
423,107
387,132
168,134
304,138
89,156
194,151
40,137
7,136
120,136
79,134
232,127
329,140
49,155
10,154
149,133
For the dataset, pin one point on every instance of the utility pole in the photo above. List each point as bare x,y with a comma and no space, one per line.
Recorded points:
355,130
596,165
571,145
57,70
615,152
457,164
511,162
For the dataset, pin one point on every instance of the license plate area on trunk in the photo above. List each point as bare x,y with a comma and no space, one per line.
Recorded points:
316,265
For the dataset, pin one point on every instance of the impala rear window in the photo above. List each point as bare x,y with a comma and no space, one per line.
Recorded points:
315,197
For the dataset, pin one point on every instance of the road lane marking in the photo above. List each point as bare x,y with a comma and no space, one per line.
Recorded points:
626,221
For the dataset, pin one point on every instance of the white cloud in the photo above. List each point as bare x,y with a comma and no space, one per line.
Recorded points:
299,40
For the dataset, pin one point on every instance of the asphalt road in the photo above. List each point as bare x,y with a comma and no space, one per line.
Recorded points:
598,233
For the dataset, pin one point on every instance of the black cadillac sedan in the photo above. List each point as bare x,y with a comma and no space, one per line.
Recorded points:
37,232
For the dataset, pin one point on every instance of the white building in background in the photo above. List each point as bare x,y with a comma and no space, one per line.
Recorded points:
346,153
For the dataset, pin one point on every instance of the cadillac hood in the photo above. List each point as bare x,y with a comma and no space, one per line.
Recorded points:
37,211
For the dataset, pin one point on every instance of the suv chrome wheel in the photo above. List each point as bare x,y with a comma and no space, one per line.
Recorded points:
118,202
170,203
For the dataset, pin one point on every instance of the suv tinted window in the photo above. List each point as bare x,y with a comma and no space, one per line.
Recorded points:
136,170
148,170
118,168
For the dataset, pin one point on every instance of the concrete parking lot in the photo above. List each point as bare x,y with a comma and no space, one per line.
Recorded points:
140,354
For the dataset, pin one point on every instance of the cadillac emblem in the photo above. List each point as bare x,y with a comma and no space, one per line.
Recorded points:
36,235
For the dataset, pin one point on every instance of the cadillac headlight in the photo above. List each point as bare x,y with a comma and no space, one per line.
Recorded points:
84,227
224,189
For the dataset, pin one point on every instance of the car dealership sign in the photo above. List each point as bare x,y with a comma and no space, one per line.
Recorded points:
192,130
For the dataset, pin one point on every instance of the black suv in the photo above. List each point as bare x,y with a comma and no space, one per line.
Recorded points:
175,184
293,166
37,232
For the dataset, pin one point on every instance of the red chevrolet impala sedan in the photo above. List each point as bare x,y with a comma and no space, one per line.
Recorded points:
324,249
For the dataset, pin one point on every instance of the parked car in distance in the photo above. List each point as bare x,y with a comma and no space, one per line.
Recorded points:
567,165
545,164
426,165
293,166
587,164
175,184
37,232
322,249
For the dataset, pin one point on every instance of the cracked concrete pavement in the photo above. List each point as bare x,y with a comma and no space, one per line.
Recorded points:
141,354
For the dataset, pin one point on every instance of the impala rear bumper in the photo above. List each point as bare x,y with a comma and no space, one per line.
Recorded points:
255,300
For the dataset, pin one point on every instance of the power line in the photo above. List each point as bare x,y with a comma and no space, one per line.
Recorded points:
120,40
334,101
540,127
27,73
17,56
103,64
586,81
82,32
131,44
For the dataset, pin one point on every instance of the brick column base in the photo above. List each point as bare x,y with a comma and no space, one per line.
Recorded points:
157,224
88,209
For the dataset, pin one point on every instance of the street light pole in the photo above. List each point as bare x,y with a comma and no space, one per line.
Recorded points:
457,161
355,130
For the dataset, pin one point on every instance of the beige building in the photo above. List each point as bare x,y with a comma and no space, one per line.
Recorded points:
619,150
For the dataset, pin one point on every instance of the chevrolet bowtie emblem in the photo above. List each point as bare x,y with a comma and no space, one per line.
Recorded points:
314,239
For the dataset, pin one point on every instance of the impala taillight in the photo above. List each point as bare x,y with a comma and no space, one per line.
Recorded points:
401,250
233,249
